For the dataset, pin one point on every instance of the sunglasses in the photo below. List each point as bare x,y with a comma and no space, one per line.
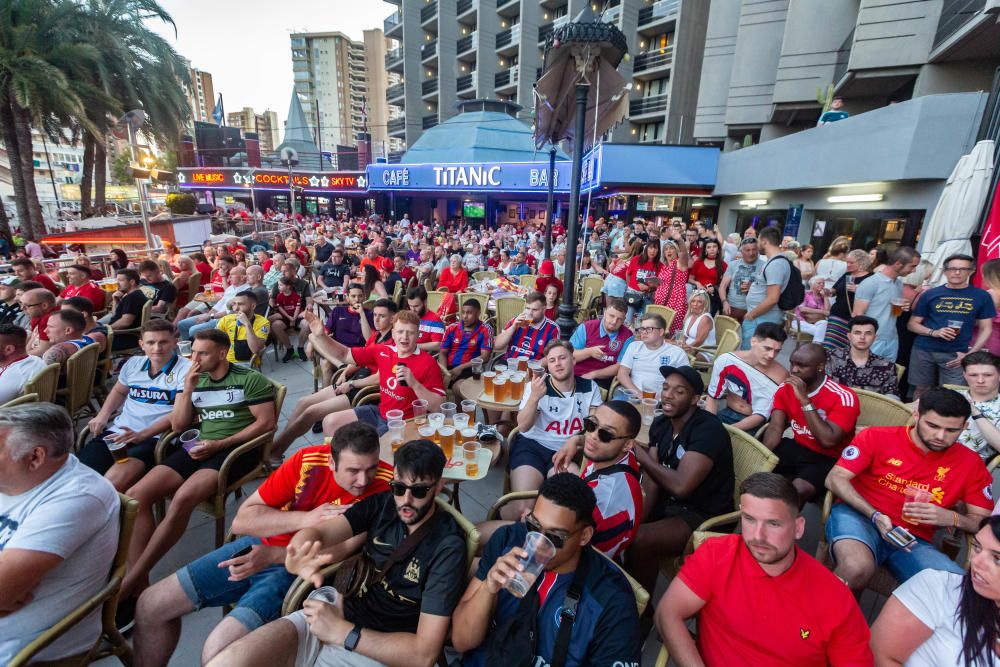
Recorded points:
604,435
558,540
419,491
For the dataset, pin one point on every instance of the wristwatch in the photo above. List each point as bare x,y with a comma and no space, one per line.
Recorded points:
353,637
808,407
979,416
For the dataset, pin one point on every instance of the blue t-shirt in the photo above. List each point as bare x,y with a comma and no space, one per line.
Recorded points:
606,630
939,305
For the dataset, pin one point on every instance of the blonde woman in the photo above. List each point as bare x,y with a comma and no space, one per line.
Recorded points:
834,265
858,264
810,316
991,281
699,325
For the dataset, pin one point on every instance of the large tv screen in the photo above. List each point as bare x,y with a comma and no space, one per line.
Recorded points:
474,209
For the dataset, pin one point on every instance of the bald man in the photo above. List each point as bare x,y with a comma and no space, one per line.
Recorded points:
38,304
822,415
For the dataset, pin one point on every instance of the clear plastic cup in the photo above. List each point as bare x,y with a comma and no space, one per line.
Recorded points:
446,436
189,439
448,410
436,420
469,433
469,408
648,409
396,430
393,414
420,412
119,450
427,432
184,348
912,494
470,453
460,420
539,550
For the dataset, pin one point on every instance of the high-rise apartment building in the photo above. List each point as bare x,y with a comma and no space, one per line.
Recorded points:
337,88
264,124
467,49
201,95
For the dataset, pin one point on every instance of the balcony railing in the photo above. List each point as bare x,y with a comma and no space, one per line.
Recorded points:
429,50
467,43
396,125
647,105
429,86
392,21
653,59
659,11
549,28
429,121
508,36
392,92
428,12
393,57
505,78
463,6
464,83
954,15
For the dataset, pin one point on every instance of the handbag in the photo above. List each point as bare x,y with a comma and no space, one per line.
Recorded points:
634,300
358,573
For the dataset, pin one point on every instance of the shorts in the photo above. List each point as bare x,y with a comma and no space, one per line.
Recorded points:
845,523
924,363
370,414
748,326
181,462
95,454
527,452
614,286
797,461
729,416
257,600
311,652
667,508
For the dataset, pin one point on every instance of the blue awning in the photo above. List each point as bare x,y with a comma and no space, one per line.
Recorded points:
662,167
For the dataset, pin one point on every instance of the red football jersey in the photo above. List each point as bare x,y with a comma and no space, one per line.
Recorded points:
394,396
833,402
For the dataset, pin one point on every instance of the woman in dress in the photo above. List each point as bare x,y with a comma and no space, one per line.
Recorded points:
671,290
805,263
991,281
857,262
944,619
707,271
699,325
454,278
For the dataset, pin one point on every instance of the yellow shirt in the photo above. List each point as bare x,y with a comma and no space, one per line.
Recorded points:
239,349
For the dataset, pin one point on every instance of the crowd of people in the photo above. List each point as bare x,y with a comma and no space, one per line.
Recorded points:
625,442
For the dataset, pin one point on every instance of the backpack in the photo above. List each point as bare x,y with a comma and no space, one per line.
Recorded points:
795,292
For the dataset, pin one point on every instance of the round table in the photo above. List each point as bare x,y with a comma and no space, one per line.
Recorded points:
472,390
450,473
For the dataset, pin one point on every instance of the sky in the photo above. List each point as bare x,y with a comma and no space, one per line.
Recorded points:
244,45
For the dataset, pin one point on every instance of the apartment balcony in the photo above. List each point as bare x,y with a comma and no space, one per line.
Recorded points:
429,52
657,16
507,40
429,87
467,46
653,63
429,121
466,7
465,86
508,7
395,94
393,26
394,59
397,127
505,82
967,30
642,108
548,28
428,12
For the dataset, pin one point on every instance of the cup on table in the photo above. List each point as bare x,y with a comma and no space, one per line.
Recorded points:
539,550
446,435
396,429
911,494
469,408
500,389
420,412
477,369
499,368
460,420
189,439
648,408
448,410
469,433
393,414
435,419
428,432
119,450
488,390
470,453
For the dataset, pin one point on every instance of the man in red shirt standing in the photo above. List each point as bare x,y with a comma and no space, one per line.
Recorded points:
25,270
316,484
760,600
910,478
80,284
405,372
822,415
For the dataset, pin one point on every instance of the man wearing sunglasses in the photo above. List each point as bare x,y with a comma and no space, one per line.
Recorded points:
605,630
943,319
402,620
688,474
551,413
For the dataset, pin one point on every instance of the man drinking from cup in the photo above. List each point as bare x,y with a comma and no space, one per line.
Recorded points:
145,392
562,521
528,334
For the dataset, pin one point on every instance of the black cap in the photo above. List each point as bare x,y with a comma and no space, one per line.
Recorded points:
692,376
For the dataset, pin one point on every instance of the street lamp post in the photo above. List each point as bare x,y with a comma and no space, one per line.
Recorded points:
550,202
567,308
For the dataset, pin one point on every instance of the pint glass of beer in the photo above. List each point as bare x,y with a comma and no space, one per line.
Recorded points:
488,378
500,389
446,437
897,307
119,450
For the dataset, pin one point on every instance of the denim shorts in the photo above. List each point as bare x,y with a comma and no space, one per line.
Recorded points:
370,415
257,600
847,524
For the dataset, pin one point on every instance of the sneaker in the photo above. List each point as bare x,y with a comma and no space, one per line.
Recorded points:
289,353
125,614
302,353
318,427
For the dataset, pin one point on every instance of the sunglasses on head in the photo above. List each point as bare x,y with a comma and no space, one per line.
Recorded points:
419,491
558,539
604,435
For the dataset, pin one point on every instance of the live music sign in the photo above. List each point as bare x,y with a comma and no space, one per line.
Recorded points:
345,182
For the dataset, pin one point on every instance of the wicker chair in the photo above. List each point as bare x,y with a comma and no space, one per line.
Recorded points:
20,400
194,286
110,641
666,312
216,506
879,410
528,281
508,307
147,309
484,275
44,383
434,299
81,368
103,373
483,299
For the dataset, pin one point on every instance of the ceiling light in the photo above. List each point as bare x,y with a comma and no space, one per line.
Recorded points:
753,202
854,199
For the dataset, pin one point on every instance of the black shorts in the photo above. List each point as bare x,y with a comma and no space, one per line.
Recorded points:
178,460
95,454
526,452
667,508
800,462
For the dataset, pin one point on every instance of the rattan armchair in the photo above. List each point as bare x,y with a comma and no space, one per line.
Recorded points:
44,383
81,369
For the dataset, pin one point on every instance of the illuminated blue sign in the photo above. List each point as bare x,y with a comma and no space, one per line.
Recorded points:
473,177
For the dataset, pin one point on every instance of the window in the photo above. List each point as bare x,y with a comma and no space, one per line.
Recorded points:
651,132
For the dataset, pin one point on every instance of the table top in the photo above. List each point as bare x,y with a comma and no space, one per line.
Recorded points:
472,390
454,470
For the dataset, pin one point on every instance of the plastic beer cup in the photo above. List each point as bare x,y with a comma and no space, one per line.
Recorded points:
420,412
539,550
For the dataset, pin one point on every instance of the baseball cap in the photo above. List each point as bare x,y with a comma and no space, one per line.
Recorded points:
10,281
692,376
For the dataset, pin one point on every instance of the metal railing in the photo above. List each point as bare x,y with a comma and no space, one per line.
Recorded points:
954,15
464,83
659,11
396,125
429,121
505,78
508,36
393,56
394,20
428,12
429,86
463,6
647,105
467,43
429,50
392,92
654,59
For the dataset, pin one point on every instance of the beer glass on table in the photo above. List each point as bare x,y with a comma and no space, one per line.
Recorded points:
488,389
448,410
500,389
446,436
420,412
469,408
470,453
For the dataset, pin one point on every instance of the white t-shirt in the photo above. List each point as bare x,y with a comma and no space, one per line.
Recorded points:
73,514
15,376
932,596
830,269
561,415
149,398
644,363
